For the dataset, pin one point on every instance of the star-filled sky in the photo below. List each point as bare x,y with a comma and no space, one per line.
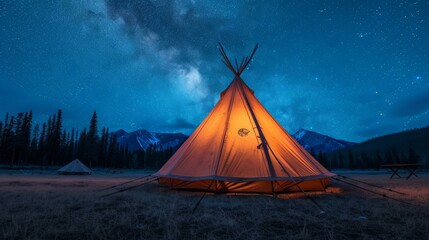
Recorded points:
350,69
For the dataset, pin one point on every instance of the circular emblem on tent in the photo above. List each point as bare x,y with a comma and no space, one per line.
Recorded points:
243,132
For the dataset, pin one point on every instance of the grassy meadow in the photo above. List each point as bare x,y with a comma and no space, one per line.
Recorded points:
48,206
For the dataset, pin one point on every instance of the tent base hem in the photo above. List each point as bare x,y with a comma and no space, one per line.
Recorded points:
267,187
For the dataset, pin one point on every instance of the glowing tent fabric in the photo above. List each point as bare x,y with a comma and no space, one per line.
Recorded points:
240,147
75,167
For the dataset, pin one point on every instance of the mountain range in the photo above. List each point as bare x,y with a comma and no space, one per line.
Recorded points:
142,139
402,142
316,142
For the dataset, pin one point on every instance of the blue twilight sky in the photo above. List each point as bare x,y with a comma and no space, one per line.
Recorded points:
350,69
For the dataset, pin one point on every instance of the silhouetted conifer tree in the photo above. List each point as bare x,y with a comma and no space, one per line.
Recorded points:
413,157
322,159
57,125
82,145
91,142
395,155
102,147
351,160
113,150
366,161
340,159
388,157
1,140
71,154
378,161
404,158
33,145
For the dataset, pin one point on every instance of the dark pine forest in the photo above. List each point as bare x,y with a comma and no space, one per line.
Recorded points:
23,143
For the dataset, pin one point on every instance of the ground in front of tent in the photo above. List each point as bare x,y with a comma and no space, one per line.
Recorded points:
43,205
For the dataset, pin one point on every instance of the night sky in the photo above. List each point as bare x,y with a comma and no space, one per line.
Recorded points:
349,69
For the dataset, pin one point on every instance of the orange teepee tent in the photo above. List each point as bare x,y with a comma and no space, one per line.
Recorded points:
240,147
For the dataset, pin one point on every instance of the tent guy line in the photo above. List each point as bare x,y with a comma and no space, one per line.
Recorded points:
374,192
144,182
372,185
121,184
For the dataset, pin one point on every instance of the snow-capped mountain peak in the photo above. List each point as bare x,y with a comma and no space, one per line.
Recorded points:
299,134
316,142
142,139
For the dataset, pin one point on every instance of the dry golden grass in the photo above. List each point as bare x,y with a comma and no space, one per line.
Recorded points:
67,207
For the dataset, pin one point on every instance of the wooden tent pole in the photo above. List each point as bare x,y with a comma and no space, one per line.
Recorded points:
264,142
248,60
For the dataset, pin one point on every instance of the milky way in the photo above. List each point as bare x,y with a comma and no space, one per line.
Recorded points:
350,69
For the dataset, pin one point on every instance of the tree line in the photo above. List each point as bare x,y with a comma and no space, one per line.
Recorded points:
50,144
362,160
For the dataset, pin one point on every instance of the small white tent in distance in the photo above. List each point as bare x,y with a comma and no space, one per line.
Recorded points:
75,167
